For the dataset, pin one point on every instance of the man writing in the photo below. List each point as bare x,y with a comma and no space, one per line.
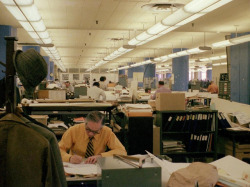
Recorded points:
89,140
161,89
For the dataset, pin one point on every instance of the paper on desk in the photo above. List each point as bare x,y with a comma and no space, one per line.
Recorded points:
80,169
232,169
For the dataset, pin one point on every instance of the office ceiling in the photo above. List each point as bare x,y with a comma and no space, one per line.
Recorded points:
86,31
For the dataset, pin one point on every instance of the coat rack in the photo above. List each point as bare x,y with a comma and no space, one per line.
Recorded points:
10,92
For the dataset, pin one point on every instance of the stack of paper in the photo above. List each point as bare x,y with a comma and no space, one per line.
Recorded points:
138,109
80,169
232,171
170,146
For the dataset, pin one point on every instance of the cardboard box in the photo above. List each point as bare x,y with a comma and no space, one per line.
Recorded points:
41,118
152,104
156,140
52,94
170,101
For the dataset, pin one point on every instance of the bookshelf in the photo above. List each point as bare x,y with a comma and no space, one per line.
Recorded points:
188,134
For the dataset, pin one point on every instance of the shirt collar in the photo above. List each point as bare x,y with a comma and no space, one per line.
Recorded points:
96,137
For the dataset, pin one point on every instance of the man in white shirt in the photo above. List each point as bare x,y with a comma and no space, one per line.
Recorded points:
103,84
95,92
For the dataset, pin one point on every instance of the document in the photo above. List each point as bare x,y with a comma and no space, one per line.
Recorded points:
80,169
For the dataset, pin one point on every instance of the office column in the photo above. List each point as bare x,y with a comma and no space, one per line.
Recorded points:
149,75
51,68
138,69
46,58
239,71
209,74
180,69
5,30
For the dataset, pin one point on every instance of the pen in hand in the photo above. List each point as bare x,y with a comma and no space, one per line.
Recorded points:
75,159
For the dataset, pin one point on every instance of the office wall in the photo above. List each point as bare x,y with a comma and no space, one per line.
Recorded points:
216,71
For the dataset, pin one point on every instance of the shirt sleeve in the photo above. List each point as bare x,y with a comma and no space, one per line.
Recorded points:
65,144
103,96
115,146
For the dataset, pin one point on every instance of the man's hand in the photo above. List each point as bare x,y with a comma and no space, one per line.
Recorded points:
92,159
75,159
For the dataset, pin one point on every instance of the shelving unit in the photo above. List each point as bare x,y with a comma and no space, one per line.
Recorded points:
188,134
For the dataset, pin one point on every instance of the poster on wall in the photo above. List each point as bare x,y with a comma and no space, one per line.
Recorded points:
76,77
65,77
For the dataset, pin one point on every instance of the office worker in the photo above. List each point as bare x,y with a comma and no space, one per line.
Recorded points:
103,84
96,92
213,88
161,89
68,86
89,140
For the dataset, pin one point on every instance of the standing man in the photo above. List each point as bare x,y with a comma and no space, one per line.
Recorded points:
161,89
103,84
213,88
95,92
89,140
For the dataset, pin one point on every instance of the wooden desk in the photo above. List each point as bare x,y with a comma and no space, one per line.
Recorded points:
81,181
66,108
236,137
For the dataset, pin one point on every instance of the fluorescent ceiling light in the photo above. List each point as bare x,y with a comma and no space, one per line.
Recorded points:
182,53
222,44
16,13
173,55
216,5
19,2
157,28
38,26
176,17
240,39
198,5
33,35
216,64
31,12
26,25
223,56
223,63
133,42
43,35
143,36
214,58
204,59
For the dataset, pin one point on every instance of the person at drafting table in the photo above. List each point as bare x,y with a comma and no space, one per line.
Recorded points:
89,140
161,89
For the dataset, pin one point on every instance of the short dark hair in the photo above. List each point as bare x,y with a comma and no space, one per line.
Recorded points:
102,78
67,82
95,116
161,82
147,89
96,84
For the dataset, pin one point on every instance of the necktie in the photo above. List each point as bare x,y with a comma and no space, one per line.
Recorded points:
90,149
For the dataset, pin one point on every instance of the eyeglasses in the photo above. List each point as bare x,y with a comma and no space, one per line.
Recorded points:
94,132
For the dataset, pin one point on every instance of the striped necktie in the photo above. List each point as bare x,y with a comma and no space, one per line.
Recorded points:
90,148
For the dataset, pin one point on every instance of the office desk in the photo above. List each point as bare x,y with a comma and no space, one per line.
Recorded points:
66,108
78,181
239,139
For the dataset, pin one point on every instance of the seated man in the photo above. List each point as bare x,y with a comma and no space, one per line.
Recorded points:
161,89
213,88
68,87
89,140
